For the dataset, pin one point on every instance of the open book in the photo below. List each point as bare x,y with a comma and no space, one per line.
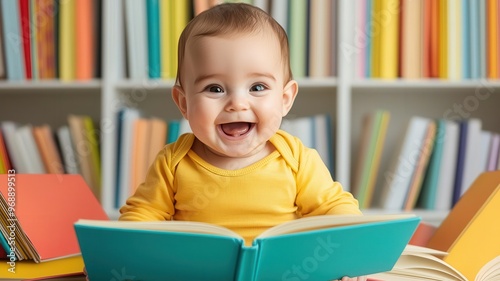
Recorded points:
317,248
421,263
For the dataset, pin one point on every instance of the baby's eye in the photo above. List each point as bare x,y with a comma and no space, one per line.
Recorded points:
257,88
215,89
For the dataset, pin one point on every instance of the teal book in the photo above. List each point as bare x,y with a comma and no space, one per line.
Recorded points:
153,26
314,248
427,199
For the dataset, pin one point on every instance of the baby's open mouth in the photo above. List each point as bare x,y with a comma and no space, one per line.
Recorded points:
236,129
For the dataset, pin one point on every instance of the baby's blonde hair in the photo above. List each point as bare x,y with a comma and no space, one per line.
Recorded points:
229,19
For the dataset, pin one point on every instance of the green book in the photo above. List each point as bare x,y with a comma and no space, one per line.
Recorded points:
314,248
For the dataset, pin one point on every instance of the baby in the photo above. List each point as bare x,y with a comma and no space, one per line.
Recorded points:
237,168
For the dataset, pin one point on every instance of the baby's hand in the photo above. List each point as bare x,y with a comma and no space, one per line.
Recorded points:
361,278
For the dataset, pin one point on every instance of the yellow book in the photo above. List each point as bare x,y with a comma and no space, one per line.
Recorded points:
470,231
180,14
67,54
375,162
443,39
376,36
166,43
388,21
20,270
92,141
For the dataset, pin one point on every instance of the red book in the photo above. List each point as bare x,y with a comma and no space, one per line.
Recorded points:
26,35
45,208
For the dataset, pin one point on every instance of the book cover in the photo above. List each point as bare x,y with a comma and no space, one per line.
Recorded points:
389,38
319,41
67,150
137,51
435,33
67,42
84,40
279,11
48,149
123,183
11,24
465,37
40,271
472,227
158,139
447,169
411,39
297,35
475,48
48,227
81,147
92,134
24,16
404,163
443,42
367,244
492,38
180,14
153,27
166,38
30,154
141,136
427,197
420,168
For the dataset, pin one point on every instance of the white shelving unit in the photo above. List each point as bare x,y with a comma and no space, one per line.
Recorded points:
344,98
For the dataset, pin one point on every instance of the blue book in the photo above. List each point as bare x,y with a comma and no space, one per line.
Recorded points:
173,130
13,41
319,248
462,145
466,40
474,40
153,25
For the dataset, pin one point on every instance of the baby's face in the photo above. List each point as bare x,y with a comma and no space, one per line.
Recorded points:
234,92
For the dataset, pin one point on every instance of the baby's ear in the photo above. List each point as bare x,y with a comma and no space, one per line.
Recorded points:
180,99
289,93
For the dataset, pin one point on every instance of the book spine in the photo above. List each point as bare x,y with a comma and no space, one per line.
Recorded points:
247,264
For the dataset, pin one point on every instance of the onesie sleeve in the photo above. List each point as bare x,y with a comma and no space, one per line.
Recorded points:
317,192
154,198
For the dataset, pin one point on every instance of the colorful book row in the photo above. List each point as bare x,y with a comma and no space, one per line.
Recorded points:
435,162
49,39
153,27
449,39
72,149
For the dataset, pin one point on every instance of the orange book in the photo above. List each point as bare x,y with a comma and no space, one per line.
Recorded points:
411,30
423,234
48,149
443,39
426,38
423,160
434,40
84,40
4,154
492,38
158,138
140,152
46,207
470,231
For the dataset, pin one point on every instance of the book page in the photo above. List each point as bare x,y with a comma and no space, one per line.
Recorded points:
327,221
173,226
490,271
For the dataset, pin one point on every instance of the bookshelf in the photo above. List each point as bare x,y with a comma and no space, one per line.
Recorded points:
345,98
